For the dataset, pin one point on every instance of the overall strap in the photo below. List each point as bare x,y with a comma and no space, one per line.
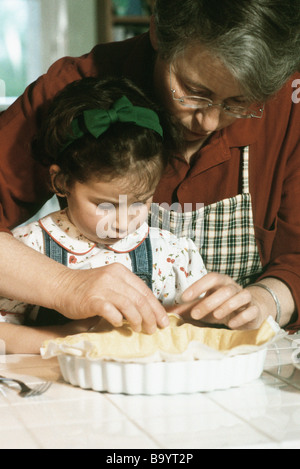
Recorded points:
45,316
142,261
54,250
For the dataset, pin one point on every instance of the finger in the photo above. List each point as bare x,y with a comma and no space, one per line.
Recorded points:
246,319
120,307
182,308
115,292
108,311
152,311
155,308
213,301
147,317
96,325
210,281
132,307
235,303
85,325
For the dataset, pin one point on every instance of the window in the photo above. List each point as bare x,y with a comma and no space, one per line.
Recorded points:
19,28
35,33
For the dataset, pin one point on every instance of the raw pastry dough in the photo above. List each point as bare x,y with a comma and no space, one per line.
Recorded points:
123,344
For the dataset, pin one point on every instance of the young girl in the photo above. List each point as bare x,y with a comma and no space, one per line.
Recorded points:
105,148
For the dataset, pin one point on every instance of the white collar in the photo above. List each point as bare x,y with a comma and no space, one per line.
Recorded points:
67,235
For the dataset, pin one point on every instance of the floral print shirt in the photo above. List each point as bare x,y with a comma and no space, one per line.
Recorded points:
176,261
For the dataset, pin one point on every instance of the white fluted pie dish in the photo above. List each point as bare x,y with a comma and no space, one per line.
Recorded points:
182,358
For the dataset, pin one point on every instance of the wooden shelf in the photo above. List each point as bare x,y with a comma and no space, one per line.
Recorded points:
135,20
107,21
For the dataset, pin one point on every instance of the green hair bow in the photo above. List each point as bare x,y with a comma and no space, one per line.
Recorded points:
97,121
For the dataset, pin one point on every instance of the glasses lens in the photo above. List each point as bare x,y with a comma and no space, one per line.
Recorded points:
238,111
195,102
243,112
203,103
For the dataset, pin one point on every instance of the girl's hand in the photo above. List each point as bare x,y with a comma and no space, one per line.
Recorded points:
76,327
223,302
112,292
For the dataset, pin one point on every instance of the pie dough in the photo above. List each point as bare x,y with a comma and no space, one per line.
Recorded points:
180,340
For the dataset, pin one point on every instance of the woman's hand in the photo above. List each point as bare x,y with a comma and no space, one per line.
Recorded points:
112,292
223,302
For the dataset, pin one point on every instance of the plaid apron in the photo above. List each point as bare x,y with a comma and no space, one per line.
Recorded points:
223,232
142,266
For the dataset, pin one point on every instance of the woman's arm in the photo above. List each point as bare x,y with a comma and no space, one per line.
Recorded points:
226,302
267,304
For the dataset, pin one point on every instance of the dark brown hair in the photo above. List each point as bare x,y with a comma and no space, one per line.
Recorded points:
124,150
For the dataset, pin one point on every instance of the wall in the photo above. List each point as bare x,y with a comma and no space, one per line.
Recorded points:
69,27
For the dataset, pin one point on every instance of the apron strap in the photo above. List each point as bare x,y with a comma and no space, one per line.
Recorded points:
245,170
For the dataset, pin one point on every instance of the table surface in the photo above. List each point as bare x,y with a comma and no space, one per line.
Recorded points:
262,414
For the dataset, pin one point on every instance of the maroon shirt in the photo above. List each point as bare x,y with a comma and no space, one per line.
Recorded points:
213,176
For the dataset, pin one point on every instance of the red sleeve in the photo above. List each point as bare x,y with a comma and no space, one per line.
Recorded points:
23,181
285,254
284,251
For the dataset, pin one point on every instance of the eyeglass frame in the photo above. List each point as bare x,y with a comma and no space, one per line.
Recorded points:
211,104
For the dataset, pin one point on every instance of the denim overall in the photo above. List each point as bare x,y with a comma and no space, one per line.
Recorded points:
142,265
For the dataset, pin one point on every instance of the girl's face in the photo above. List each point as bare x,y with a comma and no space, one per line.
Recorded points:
104,212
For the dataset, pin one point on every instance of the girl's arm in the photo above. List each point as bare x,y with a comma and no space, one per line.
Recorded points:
23,339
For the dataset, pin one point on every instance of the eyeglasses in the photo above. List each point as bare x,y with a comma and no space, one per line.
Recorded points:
197,102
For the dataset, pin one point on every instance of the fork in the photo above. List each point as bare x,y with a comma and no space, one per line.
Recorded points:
26,391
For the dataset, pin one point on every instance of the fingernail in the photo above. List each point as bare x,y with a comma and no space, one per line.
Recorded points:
195,314
186,296
136,328
233,324
218,315
152,330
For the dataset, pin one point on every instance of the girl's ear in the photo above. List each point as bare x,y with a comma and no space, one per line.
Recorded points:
57,180
153,36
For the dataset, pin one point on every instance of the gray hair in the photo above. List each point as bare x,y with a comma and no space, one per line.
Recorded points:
258,41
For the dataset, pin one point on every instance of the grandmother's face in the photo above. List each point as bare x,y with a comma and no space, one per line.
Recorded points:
198,73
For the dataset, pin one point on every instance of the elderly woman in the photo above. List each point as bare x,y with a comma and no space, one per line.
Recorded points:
227,71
